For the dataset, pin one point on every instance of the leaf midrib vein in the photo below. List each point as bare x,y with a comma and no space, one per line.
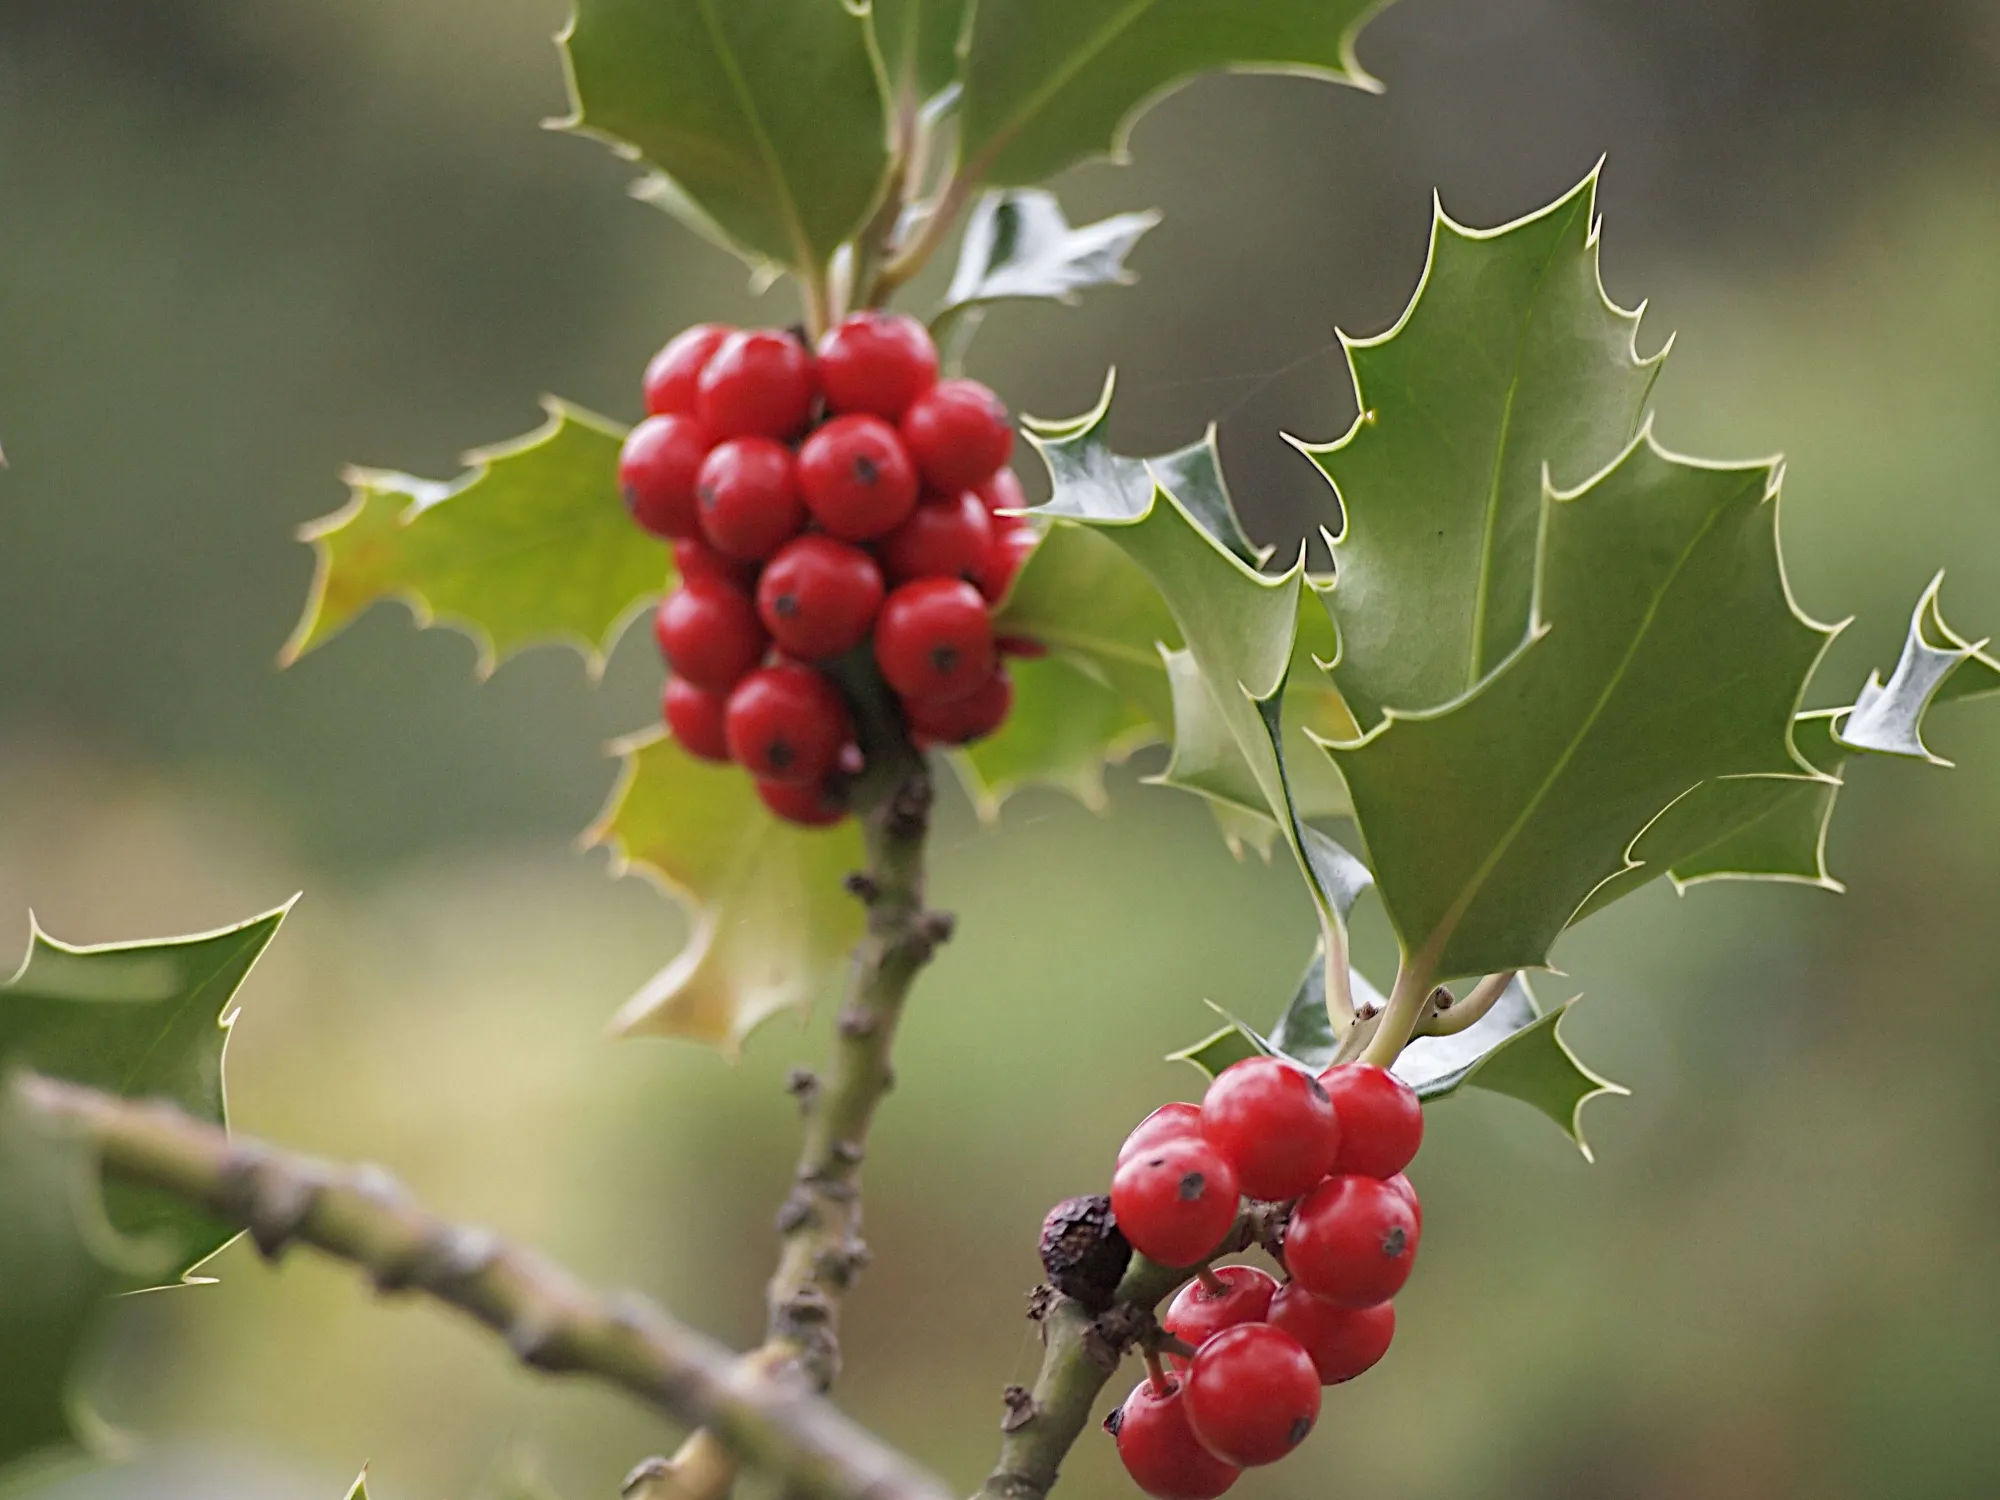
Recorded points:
1456,911
787,203
1059,80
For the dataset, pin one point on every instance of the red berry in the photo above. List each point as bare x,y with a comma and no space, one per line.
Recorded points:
1002,493
1197,1314
748,498
812,806
1160,1451
695,717
943,538
697,562
1342,1341
758,383
877,362
857,479
656,472
671,375
709,634
1404,1186
1251,1394
964,720
1381,1119
787,723
934,640
957,432
1175,1201
1274,1123
818,597
1013,540
1352,1240
1170,1122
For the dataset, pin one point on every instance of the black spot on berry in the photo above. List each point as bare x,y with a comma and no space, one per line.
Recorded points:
865,469
779,754
1395,1242
786,605
1301,1426
944,660
1114,1420
707,495
1192,1186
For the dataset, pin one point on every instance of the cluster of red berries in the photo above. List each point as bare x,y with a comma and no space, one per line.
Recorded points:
816,502
1334,1148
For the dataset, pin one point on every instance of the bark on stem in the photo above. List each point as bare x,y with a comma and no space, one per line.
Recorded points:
551,1321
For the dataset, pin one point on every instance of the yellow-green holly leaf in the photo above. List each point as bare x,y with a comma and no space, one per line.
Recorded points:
769,115
1065,725
531,546
770,922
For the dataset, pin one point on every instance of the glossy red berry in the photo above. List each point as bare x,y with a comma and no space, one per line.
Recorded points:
757,383
1404,1186
1198,1313
957,431
786,723
1341,1341
812,806
934,640
1160,1451
818,597
857,478
748,498
944,537
672,374
1381,1119
1013,540
1170,1122
695,717
963,720
1175,1201
656,472
1274,1123
1002,494
1251,1394
697,562
1352,1240
877,362
709,634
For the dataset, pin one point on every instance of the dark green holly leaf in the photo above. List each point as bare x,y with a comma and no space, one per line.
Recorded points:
1667,652
1509,362
919,41
768,114
531,546
770,922
1018,244
1049,83
142,1020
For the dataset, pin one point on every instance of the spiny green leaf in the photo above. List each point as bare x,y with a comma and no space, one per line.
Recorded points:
531,546
1937,666
1666,651
1018,244
1509,362
919,42
771,923
1515,1049
360,1489
145,1021
1065,724
1049,83
768,114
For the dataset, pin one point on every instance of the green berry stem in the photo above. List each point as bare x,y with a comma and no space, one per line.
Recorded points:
1412,992
1448,1018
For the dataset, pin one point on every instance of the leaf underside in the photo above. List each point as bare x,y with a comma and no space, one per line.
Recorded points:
531,546
1019,244
770,921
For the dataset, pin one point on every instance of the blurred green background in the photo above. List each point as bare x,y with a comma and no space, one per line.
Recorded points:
242,243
